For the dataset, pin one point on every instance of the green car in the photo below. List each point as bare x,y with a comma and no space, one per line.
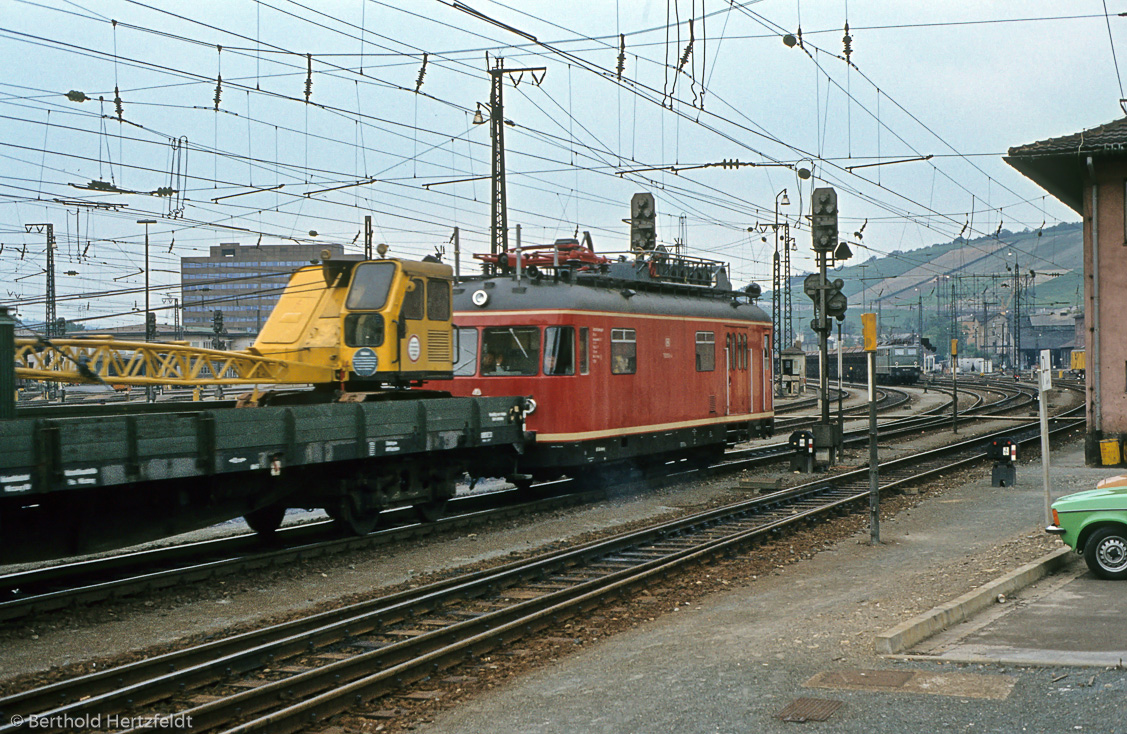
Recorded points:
1095,524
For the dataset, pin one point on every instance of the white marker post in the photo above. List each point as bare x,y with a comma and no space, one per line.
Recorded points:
869,334
1045,383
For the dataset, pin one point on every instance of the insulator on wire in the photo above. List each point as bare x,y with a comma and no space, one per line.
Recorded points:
688,49
117,103
848,41
621,54
308,77
218,90
422,74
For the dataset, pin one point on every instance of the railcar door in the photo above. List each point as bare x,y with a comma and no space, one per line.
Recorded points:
738,360
767,387
411,326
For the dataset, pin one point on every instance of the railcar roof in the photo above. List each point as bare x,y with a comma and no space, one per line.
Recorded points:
608,295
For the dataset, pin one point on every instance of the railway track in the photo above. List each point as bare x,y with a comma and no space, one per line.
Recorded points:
294,675
55,587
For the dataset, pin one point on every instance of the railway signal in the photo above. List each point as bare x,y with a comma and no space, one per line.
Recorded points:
643,225
829,302
823,220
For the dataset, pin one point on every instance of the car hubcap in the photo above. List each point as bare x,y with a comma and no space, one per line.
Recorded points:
1112,554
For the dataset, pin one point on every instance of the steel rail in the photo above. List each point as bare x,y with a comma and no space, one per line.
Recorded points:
62,585
628,559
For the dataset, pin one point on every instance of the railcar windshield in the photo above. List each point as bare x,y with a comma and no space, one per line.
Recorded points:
467,352
371,283
510,350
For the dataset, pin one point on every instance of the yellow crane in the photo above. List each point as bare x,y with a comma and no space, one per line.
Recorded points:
360,323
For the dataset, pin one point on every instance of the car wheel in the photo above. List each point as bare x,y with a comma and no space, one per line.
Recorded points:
1106,553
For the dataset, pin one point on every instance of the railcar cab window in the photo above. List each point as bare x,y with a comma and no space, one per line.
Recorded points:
371,283
623,352
510,350
438,300
467,352
414,299
706,351
559,350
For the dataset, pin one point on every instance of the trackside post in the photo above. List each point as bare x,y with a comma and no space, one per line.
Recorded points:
869,332
1045,383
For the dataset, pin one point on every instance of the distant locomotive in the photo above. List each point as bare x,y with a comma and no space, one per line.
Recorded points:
643,360
896,364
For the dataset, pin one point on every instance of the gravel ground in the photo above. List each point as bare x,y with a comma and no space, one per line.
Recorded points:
727,651
63,644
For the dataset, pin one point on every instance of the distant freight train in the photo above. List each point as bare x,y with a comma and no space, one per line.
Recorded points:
896,364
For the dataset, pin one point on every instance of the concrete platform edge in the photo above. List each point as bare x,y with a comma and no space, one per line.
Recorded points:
904,635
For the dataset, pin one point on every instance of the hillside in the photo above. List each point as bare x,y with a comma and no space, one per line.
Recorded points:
981,271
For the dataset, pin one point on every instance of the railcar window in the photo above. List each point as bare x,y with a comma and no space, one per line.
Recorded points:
363,329
706,351
559,350
623,352
370,285
743,352
438,300
729,350
414,299
510,350
584,345
467,352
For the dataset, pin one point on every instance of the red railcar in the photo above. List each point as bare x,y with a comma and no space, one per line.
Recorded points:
643,361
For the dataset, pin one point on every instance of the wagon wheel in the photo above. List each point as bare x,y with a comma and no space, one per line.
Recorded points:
265,520
441,483
432,510
350,514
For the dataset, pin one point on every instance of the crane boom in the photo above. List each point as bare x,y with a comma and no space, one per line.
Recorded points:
105,359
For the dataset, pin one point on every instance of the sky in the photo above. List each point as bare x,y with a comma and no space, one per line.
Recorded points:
330,111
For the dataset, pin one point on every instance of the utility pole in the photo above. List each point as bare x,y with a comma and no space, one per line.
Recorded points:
499,220
920,331
788,308
779,300
1017,317
954,321
51,315
150,325
7,365
457,256
777,317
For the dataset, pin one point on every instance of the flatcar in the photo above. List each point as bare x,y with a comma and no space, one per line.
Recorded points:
358,443
639,361
896,364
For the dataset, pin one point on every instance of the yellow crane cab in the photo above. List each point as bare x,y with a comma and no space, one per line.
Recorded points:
371,322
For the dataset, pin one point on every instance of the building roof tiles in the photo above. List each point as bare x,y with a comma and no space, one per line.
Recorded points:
1109,138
